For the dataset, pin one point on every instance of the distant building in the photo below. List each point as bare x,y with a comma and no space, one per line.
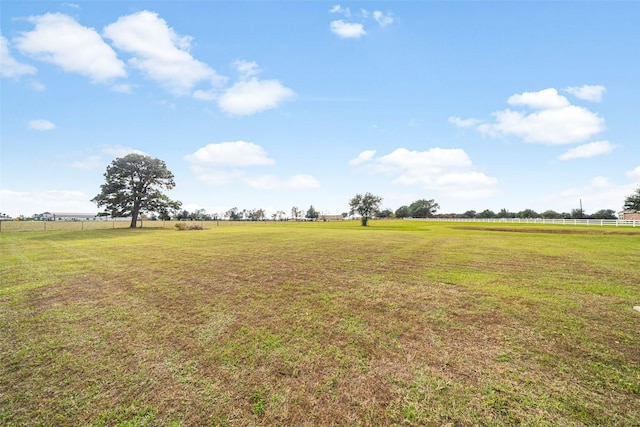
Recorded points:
629,215
330,217
67,216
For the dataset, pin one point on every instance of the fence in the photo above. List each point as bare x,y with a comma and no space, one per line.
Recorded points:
563,221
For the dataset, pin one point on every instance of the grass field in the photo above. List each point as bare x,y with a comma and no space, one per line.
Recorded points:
399,323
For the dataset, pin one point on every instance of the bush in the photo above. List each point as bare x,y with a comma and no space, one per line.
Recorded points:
181,226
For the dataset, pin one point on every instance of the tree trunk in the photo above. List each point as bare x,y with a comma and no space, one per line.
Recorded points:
364,221
134,219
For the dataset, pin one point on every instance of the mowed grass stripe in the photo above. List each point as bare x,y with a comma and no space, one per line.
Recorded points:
401,322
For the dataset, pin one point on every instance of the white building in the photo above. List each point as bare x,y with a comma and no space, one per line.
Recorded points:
67,216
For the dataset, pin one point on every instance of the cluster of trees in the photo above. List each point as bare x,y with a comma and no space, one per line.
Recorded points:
549,214
234,214
422,208
135,184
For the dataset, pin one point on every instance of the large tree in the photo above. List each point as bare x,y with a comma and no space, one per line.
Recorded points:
632,203
134,184
365,206
423,208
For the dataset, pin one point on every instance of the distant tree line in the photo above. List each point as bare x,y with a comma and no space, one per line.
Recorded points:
548,214
135,184
367,206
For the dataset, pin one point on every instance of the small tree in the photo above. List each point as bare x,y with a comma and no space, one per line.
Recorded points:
232,214
403,212
528,213
487,213
632,203
604,214
259,214
551,214
134,184
312,213
365,206
505,213
295,212
385,213
577,213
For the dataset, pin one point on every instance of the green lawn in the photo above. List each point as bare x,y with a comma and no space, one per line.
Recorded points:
398,323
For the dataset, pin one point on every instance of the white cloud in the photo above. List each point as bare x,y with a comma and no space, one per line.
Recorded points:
205,95
382,19
41,125
555,121
122,88
634,173
566,125
449,171
106,154
16,203
235,153
253,96
35,85
350,29
600,182
598,193
364,157
160,53
228,162
546,99
117,151
90,163
347,29
591,149
591,93
60,40
218,177
342,10
246,68
270,182
9,66
464,123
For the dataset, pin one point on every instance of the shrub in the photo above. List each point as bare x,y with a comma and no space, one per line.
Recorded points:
181,226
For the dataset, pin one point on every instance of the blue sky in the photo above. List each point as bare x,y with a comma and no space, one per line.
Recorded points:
270,105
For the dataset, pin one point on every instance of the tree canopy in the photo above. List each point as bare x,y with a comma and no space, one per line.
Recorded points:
423,208
403,212
632,203
312,213
134,184
365,206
